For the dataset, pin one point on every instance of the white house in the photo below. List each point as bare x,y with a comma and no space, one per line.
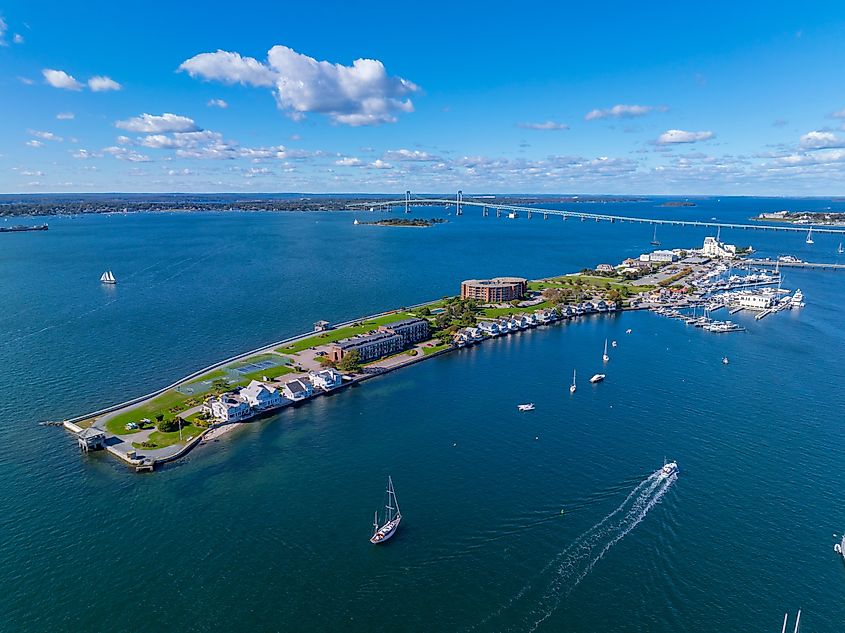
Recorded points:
755,302
326,379
715,248
604,268
298,389
261,396
489,327
230,407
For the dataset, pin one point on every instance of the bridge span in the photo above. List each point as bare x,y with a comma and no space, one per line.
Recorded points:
488,207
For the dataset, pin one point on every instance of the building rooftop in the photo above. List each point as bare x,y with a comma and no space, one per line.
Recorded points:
366,339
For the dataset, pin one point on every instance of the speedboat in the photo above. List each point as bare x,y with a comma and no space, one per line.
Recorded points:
526,407
613,344
725,360
597,378
669,469
628,331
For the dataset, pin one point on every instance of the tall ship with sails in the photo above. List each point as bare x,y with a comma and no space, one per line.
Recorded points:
108,277
392,517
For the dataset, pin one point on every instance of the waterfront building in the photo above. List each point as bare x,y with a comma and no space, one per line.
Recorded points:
755,301
91,439
229,407
490,328
498,290
605,268
659,257
322,326
260,396
369,347
411,330
715,248
298,389
326,379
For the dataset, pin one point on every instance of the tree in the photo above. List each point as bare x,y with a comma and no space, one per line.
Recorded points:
159,417
325,361
169,425
351,361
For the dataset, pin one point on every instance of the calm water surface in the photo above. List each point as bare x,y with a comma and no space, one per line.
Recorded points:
267,529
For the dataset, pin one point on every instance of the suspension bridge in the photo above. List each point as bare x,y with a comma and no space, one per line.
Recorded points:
489,208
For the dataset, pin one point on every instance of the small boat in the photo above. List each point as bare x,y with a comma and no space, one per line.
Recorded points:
597,378
654,241
628,331
572,386
604,356
669,469
725,360
108,277
840,250
613,344
356,221
392,517
809,239
839,548
526,407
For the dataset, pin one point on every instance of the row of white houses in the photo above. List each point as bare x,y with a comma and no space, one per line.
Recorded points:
257,396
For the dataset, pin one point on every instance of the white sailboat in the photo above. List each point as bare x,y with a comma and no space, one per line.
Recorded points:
840,250
604,356
572,386
654,241
809,239
108,277
392,517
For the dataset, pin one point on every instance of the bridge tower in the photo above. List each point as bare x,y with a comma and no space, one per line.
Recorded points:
498,212
545,216
407,202
458,200
529,215
485,212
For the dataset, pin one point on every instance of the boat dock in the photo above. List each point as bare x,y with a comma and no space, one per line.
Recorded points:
782,264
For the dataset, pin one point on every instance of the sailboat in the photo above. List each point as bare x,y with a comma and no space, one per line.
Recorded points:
809,239
840,250
572,386
786,619
108,277
604,356
654,241
392,517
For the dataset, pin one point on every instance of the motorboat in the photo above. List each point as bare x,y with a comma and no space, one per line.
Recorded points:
526,407
572,386
597,378
669,469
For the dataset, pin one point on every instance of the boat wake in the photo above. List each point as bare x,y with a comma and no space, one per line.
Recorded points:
542,595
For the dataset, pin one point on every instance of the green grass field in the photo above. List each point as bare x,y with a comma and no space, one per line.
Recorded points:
150,409
500,312
436,348
341,333
162,440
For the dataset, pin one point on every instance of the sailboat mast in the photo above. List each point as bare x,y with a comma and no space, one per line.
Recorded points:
797,621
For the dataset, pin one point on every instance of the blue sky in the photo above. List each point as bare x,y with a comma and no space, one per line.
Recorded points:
722,98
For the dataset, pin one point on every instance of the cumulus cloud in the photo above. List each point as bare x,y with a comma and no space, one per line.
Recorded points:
65,116
546,125
410,155
380,164
46,136
17,38
820,140
839,114
101,83
670,137
217,103
156,124
349,161
3,28
34,143
60,79
123,153
84,154
622,111
360,94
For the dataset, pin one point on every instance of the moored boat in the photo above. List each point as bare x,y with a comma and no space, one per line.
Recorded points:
392,517
526,407
597,378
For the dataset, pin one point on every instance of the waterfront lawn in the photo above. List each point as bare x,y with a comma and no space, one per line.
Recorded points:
161,440
159,405
341,333
436,348
591,281
271,373
491,313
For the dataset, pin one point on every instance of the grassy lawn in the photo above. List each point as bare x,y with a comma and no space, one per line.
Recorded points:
590,281
161,440
500,312
345,332
270,372
161,404
436,348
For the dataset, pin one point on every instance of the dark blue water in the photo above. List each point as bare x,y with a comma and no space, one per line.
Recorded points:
267,529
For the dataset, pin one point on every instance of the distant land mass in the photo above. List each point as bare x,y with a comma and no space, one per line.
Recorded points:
68,204
684,203
420,222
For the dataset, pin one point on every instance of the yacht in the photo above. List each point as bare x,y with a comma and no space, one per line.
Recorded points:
840,250
797,300
669,469
356,221
628,331
108,277
572,386
839,548
392,517
809,239
613,344
725,360
654,241
526,407
597,378
604,356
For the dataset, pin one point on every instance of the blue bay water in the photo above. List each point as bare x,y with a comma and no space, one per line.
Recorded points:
267,529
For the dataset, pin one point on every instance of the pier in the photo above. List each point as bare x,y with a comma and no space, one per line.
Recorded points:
779,264
514,211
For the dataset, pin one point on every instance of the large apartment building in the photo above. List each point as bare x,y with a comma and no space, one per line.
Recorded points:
498,290
390,339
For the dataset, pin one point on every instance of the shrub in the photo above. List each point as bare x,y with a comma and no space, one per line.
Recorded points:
169,425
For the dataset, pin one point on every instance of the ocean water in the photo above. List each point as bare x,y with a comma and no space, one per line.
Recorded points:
547,521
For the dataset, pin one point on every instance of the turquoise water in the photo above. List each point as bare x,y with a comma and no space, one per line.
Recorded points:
267,529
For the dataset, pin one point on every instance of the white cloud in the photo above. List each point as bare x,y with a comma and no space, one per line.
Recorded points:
101,83
820,140
27,172
360,94
217,103
84,154
411,155
26,81
670,137
621,111
3,28
380,164
17,38
46,136
546,125
839,114
65,116
34,143
349,161
155,124
123,153
60,79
